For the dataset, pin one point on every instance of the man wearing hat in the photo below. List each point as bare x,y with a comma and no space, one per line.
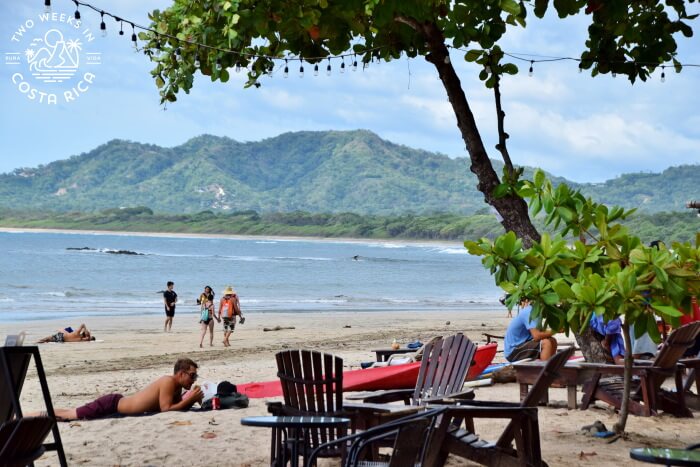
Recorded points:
229,307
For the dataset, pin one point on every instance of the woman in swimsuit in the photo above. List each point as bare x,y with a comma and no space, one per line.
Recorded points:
206,317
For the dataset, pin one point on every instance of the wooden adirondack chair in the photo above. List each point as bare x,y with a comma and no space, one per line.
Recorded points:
21,440
410,438
14,362
647,396
523,428
312,384
442,372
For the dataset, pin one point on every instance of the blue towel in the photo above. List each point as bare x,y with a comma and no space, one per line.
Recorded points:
414,345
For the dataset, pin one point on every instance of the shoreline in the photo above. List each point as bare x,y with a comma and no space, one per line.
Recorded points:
280,238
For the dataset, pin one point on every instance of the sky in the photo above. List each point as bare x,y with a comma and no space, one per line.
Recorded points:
585,129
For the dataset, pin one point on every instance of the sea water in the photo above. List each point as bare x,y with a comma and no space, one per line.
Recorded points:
63,275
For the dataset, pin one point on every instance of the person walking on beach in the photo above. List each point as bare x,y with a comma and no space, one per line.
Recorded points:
232,306
162,395
169,300
206,316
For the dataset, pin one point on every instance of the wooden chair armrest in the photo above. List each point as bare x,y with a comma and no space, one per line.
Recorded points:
493,411
380,408
454,398
393,395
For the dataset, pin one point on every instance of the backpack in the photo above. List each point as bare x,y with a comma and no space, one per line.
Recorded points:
233,401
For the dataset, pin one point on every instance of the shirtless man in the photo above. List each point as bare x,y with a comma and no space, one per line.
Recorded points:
82,334
162,395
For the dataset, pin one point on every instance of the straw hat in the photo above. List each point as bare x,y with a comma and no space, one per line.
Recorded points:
228,291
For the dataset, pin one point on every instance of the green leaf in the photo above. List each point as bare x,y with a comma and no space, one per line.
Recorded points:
473,55
667,310
510,6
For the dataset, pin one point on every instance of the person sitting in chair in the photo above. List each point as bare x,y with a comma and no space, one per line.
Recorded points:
609,334
524,339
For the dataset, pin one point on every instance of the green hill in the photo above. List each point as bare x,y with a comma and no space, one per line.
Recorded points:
332,171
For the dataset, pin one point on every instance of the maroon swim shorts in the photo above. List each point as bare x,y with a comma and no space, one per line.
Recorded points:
100,407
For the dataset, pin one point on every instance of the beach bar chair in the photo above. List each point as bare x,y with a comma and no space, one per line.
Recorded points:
647,396
14,362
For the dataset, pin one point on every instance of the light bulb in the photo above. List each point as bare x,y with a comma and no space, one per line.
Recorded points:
103,29
77,14
197,63
342,67
218,64
328,69
178,54
121,29
663,75
531,71
286,71
301,71
354,65
316,69
47,6
614,75
238,67
133,36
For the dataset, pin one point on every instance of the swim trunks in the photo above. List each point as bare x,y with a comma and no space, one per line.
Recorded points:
100,407
528,349
58,337
229,324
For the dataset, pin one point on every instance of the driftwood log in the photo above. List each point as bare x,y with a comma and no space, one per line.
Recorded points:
278,328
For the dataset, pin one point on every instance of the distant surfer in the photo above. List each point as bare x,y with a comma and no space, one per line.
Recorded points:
356,257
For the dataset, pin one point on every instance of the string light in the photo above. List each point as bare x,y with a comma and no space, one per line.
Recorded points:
370,54
121,27
197,63
218,64
663,74
103,26
47,6
238,67
316,69
133,36
286,69
301,69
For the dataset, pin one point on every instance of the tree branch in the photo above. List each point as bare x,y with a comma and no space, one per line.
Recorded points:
500,115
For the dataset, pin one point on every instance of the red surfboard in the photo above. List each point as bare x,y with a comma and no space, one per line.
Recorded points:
374,379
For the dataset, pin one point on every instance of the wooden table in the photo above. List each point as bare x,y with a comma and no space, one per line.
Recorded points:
571,375
292,433
384,354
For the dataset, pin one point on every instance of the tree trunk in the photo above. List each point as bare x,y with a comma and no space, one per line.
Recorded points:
624,410
590,347
512,209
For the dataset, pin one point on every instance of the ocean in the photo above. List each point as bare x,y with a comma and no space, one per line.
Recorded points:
48,275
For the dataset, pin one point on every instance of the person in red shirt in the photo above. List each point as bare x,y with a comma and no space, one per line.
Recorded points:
229,308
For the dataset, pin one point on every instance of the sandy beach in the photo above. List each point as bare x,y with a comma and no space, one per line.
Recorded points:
130,352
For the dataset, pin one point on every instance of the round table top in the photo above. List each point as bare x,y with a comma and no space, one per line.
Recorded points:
296,422
666,456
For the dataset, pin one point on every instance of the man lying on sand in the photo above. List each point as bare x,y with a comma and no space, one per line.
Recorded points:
82,334
162,395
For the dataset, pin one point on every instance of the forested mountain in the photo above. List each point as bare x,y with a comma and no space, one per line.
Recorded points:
332,171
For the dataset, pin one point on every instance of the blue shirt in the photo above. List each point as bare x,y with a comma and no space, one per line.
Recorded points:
613,328
518,331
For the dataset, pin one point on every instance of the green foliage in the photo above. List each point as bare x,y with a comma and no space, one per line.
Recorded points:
605,270
625,37
332,171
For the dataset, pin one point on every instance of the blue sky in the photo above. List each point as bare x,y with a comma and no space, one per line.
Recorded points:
583,128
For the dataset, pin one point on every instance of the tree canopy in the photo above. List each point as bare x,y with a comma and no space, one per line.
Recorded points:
626,37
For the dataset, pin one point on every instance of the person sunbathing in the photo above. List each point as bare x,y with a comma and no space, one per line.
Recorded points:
162,395
82,334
